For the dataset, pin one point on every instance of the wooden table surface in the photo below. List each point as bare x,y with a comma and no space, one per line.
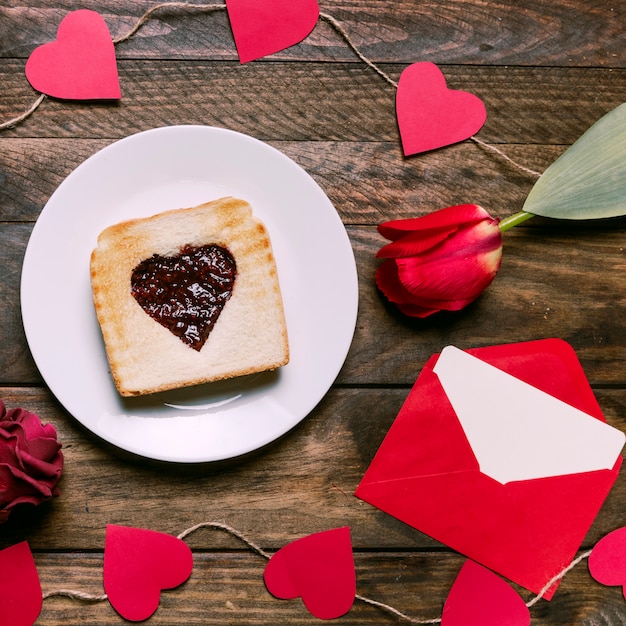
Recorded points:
546,71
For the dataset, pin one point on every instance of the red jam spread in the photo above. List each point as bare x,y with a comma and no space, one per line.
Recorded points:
187,292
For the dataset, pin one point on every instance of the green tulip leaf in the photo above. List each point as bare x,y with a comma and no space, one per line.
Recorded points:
588,181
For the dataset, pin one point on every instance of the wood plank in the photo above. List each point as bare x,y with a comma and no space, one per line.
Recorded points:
314,101
527,32
301,484
367,182
229,588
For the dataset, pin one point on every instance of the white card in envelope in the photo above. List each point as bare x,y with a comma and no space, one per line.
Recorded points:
518,432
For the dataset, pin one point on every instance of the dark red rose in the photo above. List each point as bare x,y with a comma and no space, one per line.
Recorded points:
31,460
442,261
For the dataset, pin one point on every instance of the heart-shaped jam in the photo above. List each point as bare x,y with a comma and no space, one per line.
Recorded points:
187,292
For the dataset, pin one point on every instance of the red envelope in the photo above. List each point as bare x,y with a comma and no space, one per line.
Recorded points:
426,474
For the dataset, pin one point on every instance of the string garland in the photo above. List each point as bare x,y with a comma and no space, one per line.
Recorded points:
333,22
87,597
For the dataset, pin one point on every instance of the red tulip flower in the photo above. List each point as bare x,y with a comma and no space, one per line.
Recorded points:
442,261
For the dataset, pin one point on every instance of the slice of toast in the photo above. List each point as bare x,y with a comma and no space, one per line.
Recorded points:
163,259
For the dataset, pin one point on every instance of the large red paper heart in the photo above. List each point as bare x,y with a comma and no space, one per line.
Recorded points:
480,598
430,115
80,64
262,27
318,568
186,292
20,590
607,561
138,565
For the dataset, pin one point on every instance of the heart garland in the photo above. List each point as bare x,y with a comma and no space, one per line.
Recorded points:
139,564
430,115
263,28
319,569
480,598
20,592
607,562
81,65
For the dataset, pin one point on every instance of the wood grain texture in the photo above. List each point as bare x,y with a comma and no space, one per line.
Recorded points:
315,101
566,33
546,72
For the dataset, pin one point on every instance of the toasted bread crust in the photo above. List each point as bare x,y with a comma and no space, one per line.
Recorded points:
249,336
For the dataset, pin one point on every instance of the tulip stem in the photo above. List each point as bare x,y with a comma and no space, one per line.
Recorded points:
513,220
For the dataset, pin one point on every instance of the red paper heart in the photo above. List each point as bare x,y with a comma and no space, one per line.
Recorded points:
430,115
607,561
138,565
80,64
480,598
262,27
318,568
20,590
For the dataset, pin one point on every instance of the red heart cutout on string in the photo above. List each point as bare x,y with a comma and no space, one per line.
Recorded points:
318,568
480,598
430,115
80,64
20,590
607,561
138,565
262,27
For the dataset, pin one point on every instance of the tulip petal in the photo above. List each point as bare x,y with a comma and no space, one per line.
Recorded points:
414,242
408,303
444,279
387,281
450,217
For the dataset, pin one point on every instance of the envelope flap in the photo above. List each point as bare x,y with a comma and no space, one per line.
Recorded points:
426,438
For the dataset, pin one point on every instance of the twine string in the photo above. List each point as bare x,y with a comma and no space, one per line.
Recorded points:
20,118
558,577
87,597
169,5
231,531
344,35
75,595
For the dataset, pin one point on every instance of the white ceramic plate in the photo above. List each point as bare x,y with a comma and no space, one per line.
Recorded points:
175,167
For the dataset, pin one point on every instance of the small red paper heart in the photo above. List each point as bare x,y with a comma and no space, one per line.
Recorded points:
480,598
80,64
138,565
607,561
318,568
262,27
430,115
186,292
20,590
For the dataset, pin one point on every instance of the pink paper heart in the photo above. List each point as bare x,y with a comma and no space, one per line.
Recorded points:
430,115
607,561
262,27
20,590
138,565
80,64
318,568
480,598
